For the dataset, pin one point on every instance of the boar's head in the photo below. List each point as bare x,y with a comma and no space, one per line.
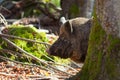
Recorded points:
73,40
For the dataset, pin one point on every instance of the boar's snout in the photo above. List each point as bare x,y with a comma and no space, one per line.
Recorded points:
61,48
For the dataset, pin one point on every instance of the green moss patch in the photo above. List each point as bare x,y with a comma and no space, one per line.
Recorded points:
38,50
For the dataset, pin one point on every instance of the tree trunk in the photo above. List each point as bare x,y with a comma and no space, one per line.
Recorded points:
73,8
108,12
103,58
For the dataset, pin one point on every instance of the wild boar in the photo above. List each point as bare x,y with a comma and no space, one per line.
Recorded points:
73,40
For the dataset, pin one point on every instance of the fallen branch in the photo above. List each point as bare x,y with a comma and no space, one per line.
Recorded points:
14,53
78,65
10,75
11,52
21,50
15,37
34,65
33,57
31,76
29,40
48,77
2,19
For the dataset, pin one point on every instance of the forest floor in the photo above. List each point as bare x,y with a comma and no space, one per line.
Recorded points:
15,71
10,70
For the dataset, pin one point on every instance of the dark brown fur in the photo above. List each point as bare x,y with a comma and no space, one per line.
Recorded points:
73,40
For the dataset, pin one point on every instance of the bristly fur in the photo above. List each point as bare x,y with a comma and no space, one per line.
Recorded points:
72,44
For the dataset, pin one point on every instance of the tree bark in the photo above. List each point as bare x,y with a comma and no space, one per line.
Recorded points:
73,8
103,57
108,12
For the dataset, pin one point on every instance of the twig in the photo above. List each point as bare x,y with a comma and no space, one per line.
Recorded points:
10,36
31,76
10,75
63,65
80,66
43,77
67,66
7,59
35,58
11,52
19,54
3,20
21,50
29,40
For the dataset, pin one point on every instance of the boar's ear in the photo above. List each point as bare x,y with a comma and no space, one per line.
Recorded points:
68,27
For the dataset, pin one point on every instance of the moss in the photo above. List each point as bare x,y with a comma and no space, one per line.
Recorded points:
94,57
38,50
101,60
114,43
112,58
110,68
29,33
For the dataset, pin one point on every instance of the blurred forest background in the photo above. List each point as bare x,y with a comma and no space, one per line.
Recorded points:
29,27
45,12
